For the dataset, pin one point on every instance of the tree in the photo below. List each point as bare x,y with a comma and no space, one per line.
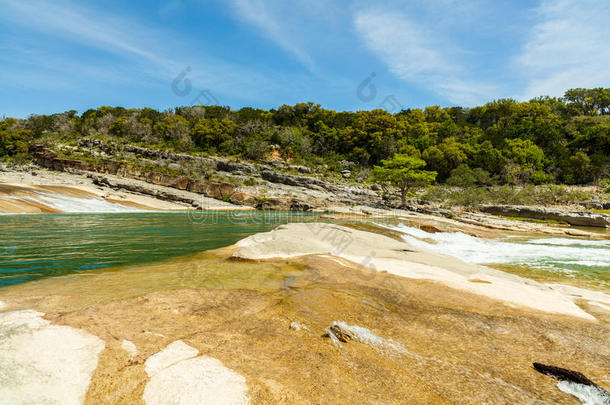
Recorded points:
213,133
464,176
577,168
174,129
445,156
404,172
14,142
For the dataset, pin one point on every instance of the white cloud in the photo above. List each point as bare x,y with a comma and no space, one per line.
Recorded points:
264,16
417,56
568,47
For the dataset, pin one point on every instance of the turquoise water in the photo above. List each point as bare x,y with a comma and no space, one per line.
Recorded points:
45,245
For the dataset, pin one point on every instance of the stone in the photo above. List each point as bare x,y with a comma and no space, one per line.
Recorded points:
299,181
339,333
243,168
277,162
300,169
575,218
274,204
241,198
178,376
43,363
298,205
596,204
297,326
576,384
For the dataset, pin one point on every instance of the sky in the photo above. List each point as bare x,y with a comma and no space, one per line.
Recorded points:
344,54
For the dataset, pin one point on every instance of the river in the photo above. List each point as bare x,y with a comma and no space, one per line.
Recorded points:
45,245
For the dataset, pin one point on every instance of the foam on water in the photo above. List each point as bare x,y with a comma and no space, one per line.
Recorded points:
66,203
587,394
552,253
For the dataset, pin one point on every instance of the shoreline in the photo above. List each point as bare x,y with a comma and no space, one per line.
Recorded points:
19,189
119,192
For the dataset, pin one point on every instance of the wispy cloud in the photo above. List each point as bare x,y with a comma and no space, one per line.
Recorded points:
152,52
266,16
81,25
568,47
419,57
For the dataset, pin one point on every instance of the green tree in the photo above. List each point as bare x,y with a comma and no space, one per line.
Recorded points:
14,142
464,176
577,169
212,133
445,156
404,172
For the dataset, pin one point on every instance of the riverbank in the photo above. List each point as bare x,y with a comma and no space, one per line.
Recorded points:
425,327
31,189
38,190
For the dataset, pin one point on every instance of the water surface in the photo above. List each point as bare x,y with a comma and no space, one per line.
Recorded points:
45,245
566,257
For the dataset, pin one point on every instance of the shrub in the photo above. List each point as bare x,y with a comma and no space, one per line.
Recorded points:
464,176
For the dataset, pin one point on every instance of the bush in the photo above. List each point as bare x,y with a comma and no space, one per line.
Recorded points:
540,177
14,142
464,176
505,194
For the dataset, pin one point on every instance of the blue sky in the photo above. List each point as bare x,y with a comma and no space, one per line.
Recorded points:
61,55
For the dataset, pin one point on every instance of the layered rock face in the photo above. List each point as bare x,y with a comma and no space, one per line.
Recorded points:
288,191
576,218
219,190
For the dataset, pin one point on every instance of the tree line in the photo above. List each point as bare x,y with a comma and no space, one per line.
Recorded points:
545,140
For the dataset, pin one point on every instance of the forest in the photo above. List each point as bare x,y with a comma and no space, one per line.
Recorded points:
547,140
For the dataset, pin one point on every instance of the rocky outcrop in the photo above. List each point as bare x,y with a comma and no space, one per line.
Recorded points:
300,169
283,204
575,218
241,198
162,193
595,204
217,190
236,167
298,181
278,193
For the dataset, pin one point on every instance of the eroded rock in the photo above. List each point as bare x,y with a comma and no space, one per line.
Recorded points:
178,376
43,363
576,218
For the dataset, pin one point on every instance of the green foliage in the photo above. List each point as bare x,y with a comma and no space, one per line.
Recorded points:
464,176
175,130
537,142
588,101
445,157
14,142
505,194
404,172
214,133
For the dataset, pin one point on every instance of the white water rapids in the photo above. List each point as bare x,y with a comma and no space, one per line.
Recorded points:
566,255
